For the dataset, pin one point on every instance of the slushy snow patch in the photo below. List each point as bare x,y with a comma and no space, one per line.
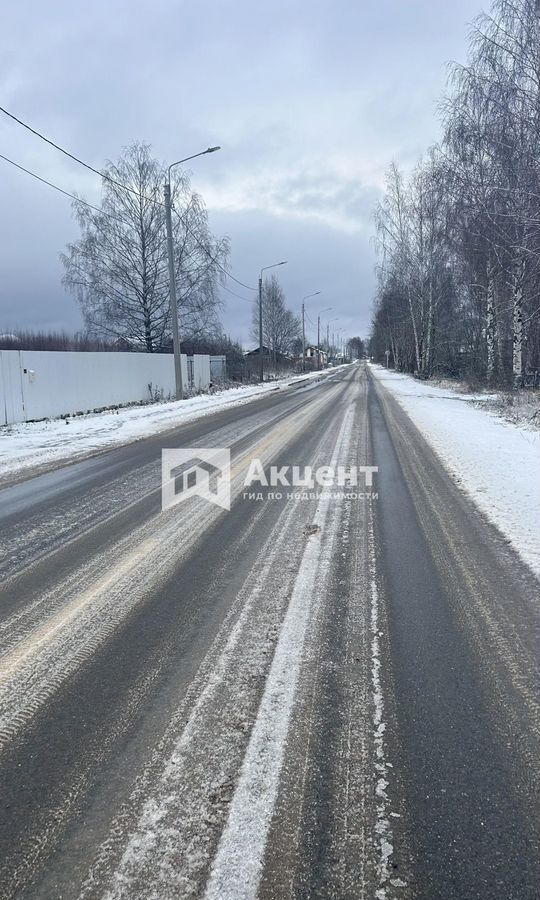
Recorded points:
496,462
31,445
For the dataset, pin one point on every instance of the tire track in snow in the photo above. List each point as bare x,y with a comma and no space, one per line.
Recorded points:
163,841
237,867
71,621
182,801
43,533
383,826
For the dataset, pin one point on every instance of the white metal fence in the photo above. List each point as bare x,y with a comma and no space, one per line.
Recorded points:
38,384
218,369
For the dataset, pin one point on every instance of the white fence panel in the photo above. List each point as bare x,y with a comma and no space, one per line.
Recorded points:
56,382
38,384
218,368
201,372
11,387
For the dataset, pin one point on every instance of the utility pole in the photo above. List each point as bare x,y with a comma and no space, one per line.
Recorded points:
327,309
261,355
303,337
330,350
316,294
172,295
261,361
172,278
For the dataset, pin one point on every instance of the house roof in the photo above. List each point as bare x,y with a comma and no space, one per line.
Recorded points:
266,350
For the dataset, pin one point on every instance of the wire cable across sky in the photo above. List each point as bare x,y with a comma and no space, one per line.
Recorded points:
108,178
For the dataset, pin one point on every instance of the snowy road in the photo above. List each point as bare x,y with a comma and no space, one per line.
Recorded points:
316,697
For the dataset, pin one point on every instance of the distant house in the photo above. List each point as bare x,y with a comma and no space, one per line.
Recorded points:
271,354
273,360
250,354
312,353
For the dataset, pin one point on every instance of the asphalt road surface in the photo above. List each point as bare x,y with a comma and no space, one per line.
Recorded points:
307,696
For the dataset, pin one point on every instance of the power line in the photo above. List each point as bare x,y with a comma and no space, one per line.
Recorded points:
118,218
124,187
56,188
84,202
248,287
57,146
209,255
245,299
119,184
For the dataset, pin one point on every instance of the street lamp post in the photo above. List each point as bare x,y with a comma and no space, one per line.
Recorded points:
342,344
261,357
327,309
316,294
328,333
339,333
172,278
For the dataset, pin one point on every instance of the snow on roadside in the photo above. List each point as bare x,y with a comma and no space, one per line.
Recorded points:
495,461
33,445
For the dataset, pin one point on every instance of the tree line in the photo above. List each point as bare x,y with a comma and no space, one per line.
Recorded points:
28,339
220,345
458,240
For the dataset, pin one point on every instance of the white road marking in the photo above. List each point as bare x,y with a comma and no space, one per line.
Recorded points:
237,866
383,828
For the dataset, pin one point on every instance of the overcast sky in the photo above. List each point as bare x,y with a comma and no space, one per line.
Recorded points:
310,102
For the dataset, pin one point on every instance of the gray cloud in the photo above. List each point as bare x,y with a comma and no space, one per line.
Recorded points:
310,102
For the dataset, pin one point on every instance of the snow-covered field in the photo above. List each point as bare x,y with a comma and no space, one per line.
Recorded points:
35,445
495,461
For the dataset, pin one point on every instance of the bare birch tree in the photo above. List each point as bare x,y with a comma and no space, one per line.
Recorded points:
117,270
281,328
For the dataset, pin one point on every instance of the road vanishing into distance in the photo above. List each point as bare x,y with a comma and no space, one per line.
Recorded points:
320,697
